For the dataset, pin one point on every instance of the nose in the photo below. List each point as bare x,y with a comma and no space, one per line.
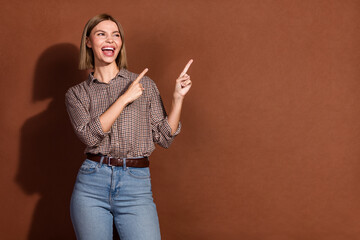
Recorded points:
109,39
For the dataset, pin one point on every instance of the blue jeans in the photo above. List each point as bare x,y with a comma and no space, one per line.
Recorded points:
105,194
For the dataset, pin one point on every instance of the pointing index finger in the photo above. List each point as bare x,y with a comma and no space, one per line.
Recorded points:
141,75
186,68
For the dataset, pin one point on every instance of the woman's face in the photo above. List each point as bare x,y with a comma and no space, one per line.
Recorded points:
105,42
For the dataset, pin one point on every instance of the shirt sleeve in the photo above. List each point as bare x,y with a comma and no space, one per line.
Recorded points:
88,129
161,129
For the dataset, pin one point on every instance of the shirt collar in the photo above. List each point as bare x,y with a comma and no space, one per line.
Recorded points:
122,73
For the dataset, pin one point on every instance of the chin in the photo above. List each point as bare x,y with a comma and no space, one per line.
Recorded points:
107,61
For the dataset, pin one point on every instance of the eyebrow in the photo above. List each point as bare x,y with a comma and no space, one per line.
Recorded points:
104,31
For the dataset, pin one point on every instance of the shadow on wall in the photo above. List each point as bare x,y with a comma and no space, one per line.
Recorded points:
50,153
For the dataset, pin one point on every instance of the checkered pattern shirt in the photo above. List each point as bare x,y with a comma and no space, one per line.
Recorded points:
141,124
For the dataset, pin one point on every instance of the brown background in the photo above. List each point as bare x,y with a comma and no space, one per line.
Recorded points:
270,145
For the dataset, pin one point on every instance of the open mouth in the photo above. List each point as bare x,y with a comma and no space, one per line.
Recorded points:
108,51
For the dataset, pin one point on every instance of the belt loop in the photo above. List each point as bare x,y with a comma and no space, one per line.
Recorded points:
124,163
101,161
109,161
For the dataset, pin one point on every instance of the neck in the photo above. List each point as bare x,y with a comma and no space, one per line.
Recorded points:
106,72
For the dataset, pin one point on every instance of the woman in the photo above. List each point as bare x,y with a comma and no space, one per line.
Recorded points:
119,116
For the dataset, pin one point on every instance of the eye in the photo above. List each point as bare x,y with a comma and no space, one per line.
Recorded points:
101,34
117,35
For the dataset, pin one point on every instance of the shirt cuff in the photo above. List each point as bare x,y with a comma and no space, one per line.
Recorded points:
168,129
96,129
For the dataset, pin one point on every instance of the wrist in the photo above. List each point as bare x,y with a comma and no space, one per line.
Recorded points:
177,97
123,99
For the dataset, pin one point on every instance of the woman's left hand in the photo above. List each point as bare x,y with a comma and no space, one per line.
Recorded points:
183,82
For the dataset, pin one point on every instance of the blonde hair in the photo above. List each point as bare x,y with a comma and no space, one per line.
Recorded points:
86,60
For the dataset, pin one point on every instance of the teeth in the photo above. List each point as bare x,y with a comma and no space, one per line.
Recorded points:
111,49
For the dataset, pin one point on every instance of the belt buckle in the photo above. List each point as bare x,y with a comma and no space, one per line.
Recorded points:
109,164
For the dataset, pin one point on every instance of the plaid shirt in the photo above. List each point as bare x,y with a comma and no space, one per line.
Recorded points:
133,134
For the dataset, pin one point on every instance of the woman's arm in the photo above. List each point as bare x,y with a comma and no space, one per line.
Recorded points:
182,86
134,91
87,128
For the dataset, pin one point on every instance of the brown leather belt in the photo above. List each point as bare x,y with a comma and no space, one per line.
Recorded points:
118,162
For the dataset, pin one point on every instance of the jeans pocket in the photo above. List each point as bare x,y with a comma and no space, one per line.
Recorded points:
88,167
142,173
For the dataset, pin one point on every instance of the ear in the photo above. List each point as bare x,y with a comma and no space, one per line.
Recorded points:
88,42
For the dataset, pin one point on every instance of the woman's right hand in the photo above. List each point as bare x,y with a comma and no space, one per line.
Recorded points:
136,89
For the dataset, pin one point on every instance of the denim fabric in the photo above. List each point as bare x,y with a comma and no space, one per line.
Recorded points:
103,194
